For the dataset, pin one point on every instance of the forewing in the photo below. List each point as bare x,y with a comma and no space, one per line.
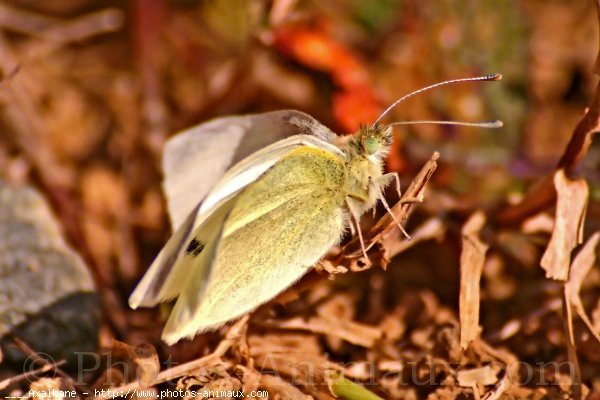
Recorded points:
196,159
280,226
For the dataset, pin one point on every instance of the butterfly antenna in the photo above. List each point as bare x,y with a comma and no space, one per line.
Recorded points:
493,77
483,124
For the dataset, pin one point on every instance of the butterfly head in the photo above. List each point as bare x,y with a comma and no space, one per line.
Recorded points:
374,141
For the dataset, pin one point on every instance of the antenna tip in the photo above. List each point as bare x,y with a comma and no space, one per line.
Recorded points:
493,77
494,124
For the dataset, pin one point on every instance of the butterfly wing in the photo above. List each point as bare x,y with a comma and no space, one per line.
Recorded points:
196,159
181,257
186,184
279,227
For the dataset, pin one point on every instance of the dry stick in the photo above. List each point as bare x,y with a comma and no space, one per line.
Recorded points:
14,379
232,336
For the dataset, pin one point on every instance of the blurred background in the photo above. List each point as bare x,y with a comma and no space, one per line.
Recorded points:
91,90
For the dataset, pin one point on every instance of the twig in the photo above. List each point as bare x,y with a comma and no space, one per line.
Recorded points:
14,379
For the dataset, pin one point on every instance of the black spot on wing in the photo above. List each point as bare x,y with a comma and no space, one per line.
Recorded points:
194,248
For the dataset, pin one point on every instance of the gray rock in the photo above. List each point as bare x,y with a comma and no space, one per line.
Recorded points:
47,295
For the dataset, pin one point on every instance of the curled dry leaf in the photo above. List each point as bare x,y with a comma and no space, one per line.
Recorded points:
472,258
571,205
582,264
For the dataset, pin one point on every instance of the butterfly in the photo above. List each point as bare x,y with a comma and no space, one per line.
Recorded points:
255,202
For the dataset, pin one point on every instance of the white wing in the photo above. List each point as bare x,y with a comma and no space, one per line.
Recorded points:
176,261
196,159
186,184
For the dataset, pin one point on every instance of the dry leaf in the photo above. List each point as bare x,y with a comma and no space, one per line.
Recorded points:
472,259
582,264
571,205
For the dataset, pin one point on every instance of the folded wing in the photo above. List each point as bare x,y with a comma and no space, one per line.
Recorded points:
195,161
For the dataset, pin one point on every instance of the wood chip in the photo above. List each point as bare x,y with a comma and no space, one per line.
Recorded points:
485,376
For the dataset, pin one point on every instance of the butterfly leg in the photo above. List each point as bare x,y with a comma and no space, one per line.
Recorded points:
381,182
385,180
355,216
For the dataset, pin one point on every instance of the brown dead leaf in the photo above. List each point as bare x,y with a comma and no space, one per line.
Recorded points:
571,206
582,264
472,259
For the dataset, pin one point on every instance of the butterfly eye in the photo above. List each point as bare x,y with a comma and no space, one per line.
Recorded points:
371,145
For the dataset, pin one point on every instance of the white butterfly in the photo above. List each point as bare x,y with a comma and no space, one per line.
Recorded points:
243,234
